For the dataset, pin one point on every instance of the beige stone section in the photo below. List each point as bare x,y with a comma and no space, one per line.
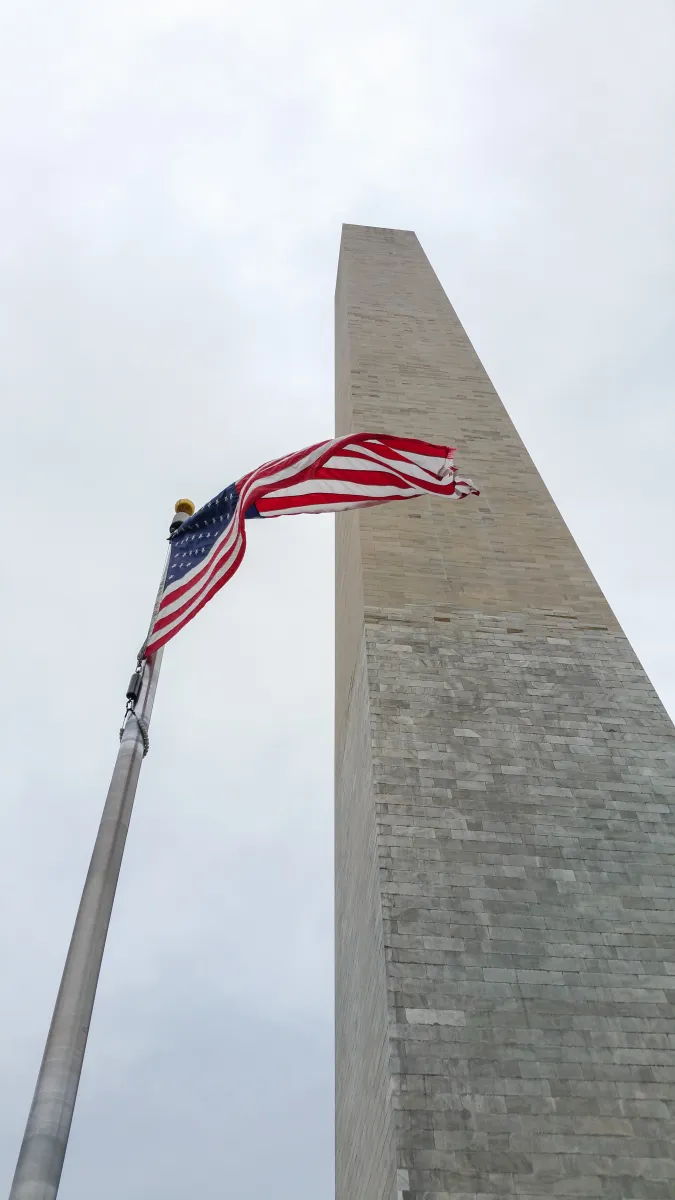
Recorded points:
405,365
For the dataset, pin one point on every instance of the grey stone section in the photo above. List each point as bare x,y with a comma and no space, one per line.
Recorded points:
365,1148
523,791
505,779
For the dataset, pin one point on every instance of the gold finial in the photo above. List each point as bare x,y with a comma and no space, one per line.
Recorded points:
185,506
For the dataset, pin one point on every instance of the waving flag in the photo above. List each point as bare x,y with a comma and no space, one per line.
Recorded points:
355,471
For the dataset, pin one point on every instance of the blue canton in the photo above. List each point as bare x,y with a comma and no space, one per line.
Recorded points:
197,535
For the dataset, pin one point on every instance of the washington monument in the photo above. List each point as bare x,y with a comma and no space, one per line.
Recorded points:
505,926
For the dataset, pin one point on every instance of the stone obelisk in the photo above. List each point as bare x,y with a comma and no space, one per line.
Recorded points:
505,776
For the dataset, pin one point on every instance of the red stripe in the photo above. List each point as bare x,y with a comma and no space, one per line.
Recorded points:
392,462
377,475
413,445
371,473
312,499
371,454
391,447
309,499
278,464
374,478
383,443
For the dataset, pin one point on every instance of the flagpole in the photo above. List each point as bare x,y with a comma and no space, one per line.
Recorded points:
38,1170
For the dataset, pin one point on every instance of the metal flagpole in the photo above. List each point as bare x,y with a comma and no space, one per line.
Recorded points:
43,1149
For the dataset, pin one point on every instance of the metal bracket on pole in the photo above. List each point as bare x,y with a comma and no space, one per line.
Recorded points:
133,694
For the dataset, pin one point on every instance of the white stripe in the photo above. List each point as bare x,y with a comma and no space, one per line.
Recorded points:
339,507
354,466
344,487
339,462
371,496
431,463
407,469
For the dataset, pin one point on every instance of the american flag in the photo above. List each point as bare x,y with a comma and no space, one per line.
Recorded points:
355,471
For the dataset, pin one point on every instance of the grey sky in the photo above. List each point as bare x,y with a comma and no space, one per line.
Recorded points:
174,176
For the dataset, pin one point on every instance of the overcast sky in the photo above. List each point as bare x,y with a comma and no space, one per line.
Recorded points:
174,175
